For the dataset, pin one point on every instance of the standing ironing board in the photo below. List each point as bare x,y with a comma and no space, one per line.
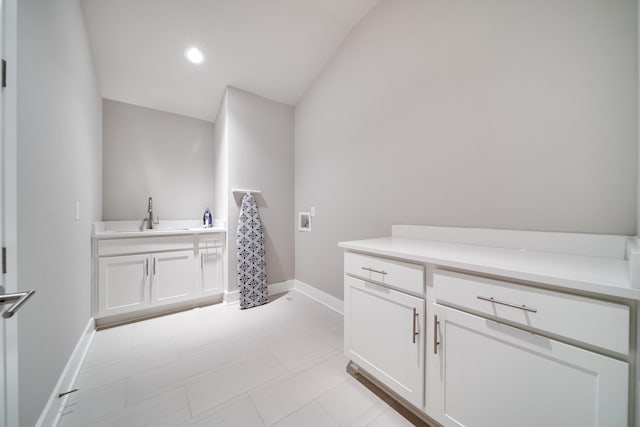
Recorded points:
251,265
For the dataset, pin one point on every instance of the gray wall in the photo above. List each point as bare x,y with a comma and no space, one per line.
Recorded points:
152,153
221,162
502,114
260,141
59,137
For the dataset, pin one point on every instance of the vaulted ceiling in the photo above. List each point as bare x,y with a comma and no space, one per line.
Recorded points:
273,48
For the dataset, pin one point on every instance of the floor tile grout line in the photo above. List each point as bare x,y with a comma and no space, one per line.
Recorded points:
105,417
317,399
231,398
124,377
304,404
80,395
186,394
288,375
181,383
288,371
300,409
264,423
126,393
101,365
378,416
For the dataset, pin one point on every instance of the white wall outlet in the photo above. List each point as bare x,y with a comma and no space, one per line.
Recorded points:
77,210
312,211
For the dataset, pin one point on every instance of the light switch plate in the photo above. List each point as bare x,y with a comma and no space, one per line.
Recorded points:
312,211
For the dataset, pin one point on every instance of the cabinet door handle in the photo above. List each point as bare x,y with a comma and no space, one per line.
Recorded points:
436,343
202,261
371,270
415,318
508,304
154,266
146,267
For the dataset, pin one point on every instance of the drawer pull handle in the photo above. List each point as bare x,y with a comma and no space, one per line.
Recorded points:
436,343
508,304
415,318
371,270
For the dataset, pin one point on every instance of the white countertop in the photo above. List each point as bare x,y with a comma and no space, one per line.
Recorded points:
605,276
128,229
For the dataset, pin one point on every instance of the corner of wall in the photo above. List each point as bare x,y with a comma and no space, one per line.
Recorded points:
260,156
638,116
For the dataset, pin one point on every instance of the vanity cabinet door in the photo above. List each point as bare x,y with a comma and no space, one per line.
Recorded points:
172,277
384,335
482,373
123,284
209,269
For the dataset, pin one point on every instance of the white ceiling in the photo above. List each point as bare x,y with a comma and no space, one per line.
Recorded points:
273,48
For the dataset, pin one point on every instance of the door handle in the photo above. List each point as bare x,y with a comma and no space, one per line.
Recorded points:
436,343
20,298
371,270
415,332
508,304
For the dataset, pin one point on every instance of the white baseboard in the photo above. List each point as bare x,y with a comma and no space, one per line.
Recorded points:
322,297
53,410
281,287
233,297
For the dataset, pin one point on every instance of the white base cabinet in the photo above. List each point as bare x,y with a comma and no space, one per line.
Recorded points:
384,335
123,284
384,323
133,282
490,352
209,269
482,373
172,279
136,274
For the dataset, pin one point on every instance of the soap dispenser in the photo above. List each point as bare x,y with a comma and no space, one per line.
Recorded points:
207,219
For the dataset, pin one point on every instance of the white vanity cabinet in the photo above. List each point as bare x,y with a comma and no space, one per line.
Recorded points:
129,283
383,328
141,276
172,278
209,266
123,284
512,328
488,368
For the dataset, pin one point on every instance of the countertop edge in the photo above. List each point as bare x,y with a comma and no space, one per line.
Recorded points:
564,283
107,235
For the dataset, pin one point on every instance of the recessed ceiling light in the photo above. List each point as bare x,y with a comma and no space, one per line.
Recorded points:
194,55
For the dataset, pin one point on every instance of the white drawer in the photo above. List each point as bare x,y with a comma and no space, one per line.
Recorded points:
600,323
397,274
216,244
110,247
215,238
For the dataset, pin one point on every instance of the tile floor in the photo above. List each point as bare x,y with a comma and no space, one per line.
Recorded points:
276,365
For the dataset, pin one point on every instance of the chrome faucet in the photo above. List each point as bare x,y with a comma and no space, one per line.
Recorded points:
150,210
